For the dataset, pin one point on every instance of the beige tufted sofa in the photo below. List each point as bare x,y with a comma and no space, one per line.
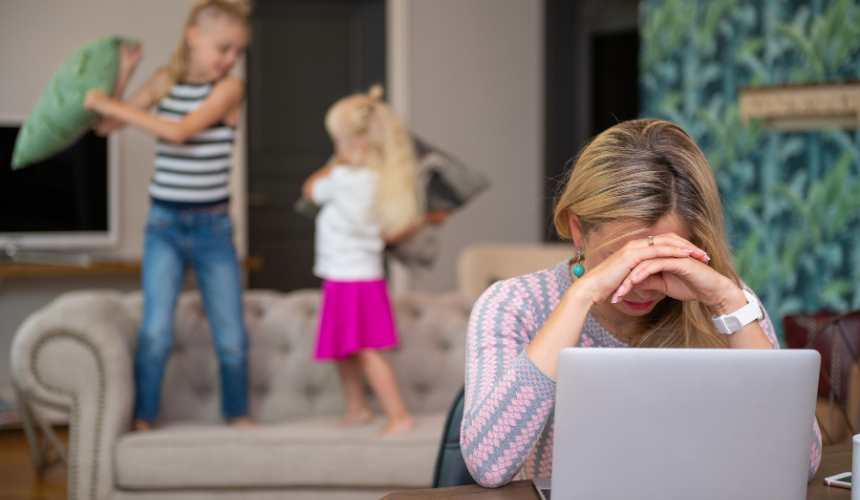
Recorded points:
77,354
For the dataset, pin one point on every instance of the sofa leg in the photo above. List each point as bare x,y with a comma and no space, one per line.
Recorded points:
45,450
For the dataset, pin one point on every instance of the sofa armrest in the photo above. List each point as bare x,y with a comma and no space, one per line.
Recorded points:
76,353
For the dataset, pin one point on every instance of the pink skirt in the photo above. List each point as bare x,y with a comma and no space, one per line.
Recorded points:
354,315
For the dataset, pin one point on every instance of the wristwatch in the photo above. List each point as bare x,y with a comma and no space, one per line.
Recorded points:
736,321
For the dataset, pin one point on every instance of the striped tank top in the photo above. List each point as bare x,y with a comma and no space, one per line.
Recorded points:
197,171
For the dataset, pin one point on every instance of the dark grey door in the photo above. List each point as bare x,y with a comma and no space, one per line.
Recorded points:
304,55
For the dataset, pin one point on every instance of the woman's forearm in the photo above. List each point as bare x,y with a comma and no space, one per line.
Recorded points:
752,336
561,330
508,399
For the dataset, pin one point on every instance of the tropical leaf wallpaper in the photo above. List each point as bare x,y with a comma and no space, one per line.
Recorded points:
792,200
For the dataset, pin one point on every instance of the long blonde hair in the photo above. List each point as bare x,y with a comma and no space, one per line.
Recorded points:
390,153
642,171
238,10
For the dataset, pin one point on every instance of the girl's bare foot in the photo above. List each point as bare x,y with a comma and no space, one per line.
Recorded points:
141,426
243,422
362,417
399,426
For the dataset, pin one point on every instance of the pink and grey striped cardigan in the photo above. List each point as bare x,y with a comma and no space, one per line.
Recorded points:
507,429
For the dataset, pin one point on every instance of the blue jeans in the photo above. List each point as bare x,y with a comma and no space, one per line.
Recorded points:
202,238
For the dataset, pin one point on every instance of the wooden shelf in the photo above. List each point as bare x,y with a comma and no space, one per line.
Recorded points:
114,268
803,107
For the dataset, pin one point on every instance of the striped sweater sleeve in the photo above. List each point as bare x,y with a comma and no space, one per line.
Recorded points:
508,398
815,452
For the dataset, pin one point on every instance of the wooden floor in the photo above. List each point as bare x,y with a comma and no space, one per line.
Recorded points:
18,479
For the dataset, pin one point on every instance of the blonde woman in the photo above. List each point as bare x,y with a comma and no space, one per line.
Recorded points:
652,267
368,198
197,112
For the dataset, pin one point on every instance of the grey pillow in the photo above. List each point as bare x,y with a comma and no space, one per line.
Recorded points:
448,182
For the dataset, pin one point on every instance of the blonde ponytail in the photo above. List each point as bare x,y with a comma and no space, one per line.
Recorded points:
390,153
239,10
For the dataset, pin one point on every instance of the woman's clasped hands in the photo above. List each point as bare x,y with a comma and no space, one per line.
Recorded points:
651,269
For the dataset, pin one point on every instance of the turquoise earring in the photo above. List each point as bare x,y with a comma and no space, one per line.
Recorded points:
578,270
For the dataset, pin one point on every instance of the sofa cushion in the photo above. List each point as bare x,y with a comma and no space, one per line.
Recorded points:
311,452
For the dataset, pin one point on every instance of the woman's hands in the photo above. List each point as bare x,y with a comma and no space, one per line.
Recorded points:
683,279
611,277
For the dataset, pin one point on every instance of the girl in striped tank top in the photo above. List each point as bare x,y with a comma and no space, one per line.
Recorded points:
194,125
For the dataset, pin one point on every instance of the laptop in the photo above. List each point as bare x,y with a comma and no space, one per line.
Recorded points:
672,424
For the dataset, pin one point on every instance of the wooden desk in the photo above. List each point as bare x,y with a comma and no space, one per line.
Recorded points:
835,459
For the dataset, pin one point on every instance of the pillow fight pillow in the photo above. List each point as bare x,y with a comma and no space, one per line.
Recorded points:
58,119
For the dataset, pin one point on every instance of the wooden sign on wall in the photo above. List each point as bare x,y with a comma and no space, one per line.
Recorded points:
802,108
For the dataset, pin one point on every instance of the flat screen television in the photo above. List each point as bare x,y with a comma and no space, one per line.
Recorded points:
68,201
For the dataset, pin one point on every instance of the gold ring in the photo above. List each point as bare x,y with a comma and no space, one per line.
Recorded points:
650,241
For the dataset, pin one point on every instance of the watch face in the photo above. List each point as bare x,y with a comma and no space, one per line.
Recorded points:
734,324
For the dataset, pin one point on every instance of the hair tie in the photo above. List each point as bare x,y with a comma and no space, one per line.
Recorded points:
376,92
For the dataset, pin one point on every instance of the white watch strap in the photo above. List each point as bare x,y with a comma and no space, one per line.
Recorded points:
736,321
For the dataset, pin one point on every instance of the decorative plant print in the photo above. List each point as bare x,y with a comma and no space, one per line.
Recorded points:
792,200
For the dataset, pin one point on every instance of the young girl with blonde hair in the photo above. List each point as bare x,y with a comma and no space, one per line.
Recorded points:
198,105
652,267
368,198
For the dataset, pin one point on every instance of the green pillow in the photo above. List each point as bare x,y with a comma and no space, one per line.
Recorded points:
59,119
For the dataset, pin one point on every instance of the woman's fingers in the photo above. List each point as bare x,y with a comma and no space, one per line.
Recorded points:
642,273
635,256
672,239
631,258
617,270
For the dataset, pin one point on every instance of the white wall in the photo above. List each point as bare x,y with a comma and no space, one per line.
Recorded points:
35,37
468,77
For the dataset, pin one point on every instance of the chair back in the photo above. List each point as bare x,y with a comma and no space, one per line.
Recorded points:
450,467
837,338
